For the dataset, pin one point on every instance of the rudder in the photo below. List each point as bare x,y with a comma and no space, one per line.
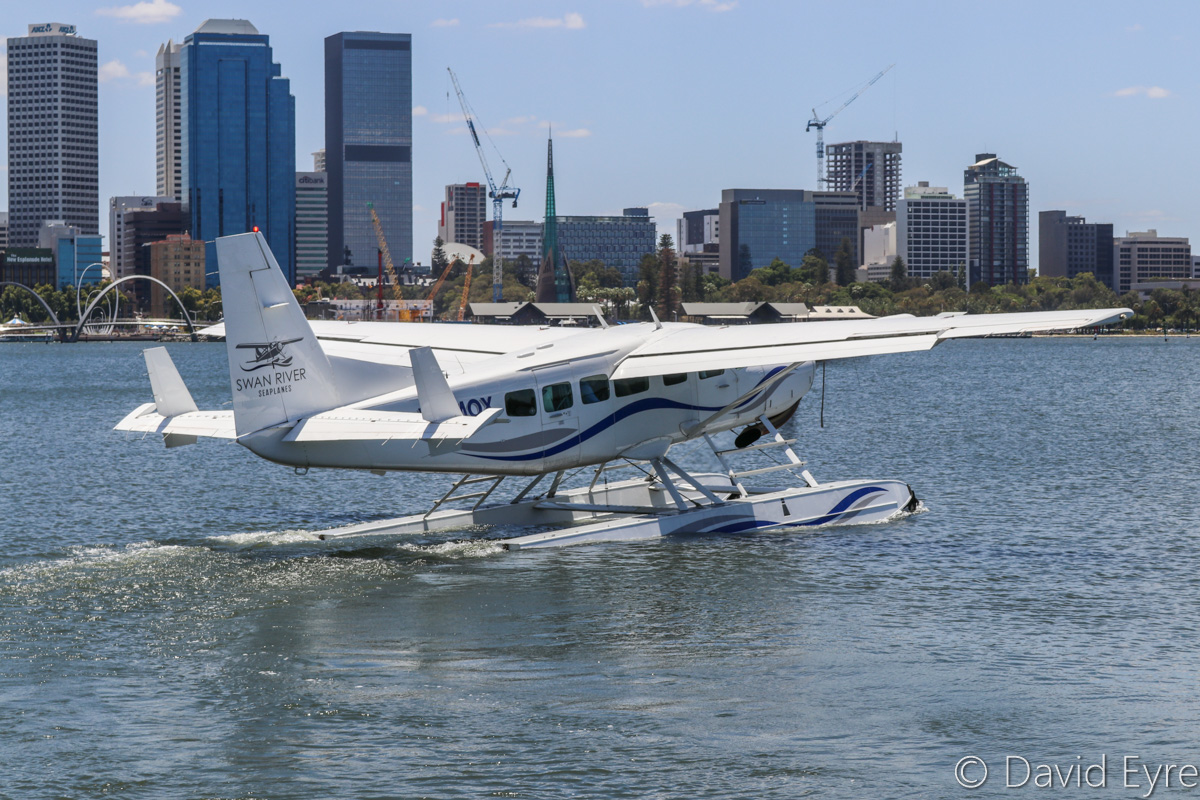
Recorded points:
277,369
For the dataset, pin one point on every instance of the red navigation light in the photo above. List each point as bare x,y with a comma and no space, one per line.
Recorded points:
256,229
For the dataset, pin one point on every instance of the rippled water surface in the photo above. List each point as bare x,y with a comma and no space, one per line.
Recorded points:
167,629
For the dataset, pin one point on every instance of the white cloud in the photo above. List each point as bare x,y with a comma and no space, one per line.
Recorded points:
442,119
419,111
147,12
444,23
116,71
1154,92
564,133
660,210
715,6
571,21
112,71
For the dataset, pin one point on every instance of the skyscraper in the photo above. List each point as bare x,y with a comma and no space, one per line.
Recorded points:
239,139
167,121
53,149
368,144
869,169
998,222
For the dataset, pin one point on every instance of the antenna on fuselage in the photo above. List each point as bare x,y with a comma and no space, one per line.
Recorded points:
599,316
653,316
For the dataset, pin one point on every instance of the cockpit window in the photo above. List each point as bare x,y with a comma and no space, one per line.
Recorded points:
521,403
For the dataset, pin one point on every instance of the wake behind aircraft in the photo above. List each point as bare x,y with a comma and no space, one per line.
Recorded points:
492,403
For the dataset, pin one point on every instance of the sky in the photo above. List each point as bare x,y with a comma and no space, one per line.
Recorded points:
664,103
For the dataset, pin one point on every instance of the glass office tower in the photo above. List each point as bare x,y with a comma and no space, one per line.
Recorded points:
368,144
239,140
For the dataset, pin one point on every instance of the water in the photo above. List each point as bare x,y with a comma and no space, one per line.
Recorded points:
167,631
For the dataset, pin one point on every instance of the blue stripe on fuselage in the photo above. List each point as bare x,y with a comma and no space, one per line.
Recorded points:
636,407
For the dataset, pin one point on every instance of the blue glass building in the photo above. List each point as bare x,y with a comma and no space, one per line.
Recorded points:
239,140
368,144
75,255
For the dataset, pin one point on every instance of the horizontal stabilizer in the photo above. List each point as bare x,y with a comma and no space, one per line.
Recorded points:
209,424
383,426
433,391
171,395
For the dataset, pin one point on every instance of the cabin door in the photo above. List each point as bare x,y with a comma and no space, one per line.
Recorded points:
559,410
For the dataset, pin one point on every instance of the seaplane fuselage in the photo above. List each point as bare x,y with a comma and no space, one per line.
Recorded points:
553,407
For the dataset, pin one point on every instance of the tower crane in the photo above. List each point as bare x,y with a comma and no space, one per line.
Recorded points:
498,193
819,124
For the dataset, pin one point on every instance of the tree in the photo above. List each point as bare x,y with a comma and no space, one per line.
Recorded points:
899,275
745,261
526,271
439,260
668,279
845,267
648,274
814,269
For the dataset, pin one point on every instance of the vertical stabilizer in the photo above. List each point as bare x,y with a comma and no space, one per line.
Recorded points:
277,369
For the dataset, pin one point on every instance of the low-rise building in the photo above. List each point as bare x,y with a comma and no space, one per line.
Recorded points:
177,261
1139,256
1070,246
620,242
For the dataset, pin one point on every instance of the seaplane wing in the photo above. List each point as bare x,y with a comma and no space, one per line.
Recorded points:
456,346
209,424
684,349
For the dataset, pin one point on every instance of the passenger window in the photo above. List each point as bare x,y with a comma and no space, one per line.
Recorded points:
593,389
628,386
521,403
557,397
712,373
674,378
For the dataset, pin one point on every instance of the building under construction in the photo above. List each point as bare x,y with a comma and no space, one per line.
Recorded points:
869,169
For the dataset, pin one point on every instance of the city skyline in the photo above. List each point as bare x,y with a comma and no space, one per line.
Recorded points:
1093,112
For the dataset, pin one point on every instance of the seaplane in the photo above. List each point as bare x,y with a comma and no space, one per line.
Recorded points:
490,404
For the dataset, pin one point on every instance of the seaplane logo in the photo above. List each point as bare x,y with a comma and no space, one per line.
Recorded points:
267,354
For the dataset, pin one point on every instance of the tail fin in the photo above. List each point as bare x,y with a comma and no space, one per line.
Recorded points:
277,369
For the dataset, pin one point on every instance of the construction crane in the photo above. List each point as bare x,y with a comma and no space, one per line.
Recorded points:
819,124
498,193
462,306
402,314
445,274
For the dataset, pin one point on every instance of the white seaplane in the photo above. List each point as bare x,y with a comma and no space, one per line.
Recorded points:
491,403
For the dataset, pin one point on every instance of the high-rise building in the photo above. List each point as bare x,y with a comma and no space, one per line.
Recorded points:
463,213
319,160
368,144
931,231
168,122
518,237
239,139
760,225
620,242
3,230
836,220
695,229
869,169
53,147
997,222
1068,246
312,224
118,207
1142,256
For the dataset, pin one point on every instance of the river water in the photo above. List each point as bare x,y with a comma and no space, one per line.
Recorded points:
168,630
